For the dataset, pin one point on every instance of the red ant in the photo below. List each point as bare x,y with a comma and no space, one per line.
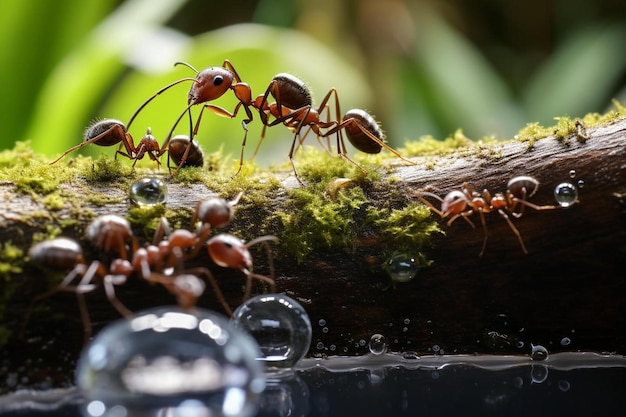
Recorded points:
109,132
466,202
66,254
293,108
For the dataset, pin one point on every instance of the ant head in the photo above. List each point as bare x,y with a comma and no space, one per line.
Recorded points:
454,202
217,212
210,83
229,252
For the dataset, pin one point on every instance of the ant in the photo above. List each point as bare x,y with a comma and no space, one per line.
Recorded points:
293,108
62,254
109,132
464,203
210,84
229,251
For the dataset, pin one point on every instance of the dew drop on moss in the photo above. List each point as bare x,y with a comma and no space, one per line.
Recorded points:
148,191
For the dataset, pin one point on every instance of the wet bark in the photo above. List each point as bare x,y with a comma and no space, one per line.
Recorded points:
566,293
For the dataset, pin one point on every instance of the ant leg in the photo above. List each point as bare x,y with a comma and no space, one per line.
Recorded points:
514,229
145,103
120,131
218,292
110,281
485,233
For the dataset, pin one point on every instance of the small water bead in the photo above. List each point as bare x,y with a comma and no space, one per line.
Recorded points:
572,173
280,325
565,194
402,267
148,191
378,344
170,359
538,353
322,322
566,341
581,183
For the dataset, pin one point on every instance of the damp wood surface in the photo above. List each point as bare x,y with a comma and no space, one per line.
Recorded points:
566,294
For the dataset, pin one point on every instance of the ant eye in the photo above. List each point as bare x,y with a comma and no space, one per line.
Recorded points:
218,80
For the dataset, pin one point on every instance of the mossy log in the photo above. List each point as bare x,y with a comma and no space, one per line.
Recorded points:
566,293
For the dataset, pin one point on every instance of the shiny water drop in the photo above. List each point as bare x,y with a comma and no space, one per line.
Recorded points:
566,341
580,183
280,325
538,353
565,194
166,359
378,344
572,173
148,191
402,267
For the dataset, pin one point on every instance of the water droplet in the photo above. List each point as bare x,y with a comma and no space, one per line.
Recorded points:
581,183
280,325
402,268
436,348
148,191
566,341
572,173
362,342
378,344
319,346
322,322
324,329
407,321
164,357
538,353
565,194
410,355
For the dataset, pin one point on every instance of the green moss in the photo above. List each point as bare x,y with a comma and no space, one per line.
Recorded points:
53,202
107,170
11,262
312,221
407,230
146,218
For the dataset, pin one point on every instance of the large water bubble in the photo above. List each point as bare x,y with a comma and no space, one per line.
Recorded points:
167,360
280,325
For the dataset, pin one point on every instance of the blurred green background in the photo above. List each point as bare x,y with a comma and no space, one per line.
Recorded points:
422,67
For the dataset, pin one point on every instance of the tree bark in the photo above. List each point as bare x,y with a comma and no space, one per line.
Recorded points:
566,293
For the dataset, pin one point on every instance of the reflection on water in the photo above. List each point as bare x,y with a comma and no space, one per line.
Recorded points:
569,384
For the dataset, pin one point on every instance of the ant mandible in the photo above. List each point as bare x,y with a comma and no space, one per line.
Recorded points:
462,204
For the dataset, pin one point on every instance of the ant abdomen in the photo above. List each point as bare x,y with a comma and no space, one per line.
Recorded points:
113,132
293,92
60,253
177,147
357,137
